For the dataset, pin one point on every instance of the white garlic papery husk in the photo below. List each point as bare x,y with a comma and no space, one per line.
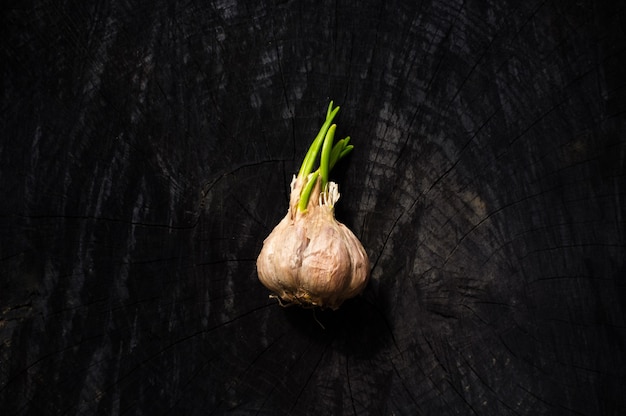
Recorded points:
311,259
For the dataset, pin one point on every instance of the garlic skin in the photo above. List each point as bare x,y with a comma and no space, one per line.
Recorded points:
311,259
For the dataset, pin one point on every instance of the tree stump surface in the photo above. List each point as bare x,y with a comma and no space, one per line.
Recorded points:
147,150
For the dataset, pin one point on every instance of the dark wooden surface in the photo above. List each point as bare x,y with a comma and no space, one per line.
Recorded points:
146,151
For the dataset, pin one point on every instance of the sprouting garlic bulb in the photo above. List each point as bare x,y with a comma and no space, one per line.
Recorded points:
311,259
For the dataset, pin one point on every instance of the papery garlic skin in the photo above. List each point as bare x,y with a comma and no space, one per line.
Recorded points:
310,258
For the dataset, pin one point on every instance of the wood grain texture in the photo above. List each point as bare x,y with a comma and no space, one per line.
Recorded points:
147,150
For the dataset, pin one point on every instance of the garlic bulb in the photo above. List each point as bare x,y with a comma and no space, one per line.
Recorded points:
311,259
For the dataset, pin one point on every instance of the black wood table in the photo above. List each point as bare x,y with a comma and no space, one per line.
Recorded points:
146,151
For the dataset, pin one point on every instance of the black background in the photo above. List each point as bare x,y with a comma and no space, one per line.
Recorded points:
146,152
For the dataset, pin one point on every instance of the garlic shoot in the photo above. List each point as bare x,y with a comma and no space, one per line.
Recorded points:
311,259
